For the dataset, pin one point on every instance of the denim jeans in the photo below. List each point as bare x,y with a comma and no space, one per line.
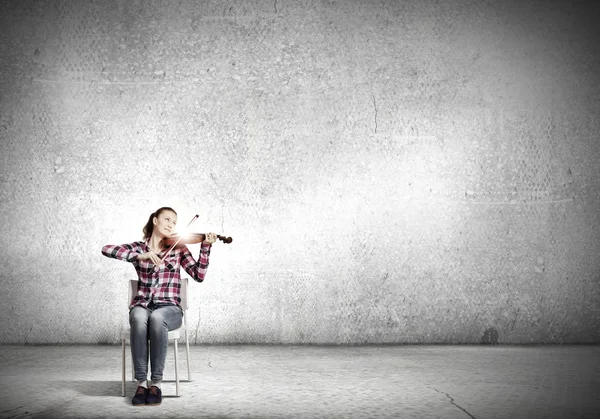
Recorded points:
153,324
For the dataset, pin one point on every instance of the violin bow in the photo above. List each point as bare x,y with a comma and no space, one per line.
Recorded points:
177,241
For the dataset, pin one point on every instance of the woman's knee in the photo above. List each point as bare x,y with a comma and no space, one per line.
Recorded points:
168,318
138,316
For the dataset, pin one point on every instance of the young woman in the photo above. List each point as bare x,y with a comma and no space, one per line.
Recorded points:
156,308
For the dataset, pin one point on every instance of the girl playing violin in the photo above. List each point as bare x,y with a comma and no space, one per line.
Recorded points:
156,308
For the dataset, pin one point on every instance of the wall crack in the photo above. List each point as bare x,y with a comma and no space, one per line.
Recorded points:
375,106
197,326
515,320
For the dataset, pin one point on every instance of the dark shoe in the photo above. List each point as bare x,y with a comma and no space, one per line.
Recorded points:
140,396
154,396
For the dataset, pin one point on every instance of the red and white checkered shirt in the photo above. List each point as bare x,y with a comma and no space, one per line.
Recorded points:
160,285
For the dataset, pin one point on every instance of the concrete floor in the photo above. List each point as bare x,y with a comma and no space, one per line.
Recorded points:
312,382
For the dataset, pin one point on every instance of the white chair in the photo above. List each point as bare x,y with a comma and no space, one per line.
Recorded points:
174,335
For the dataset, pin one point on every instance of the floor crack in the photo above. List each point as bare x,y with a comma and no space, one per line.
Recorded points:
452,401
10,410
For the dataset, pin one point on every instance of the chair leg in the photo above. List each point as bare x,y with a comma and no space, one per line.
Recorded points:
123,367
187,350
176,370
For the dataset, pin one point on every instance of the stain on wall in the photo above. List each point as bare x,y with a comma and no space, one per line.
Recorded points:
391,172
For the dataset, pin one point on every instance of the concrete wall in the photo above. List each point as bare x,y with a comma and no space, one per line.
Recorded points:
391,172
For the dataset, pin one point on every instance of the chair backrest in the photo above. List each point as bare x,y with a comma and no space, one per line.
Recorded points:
183,293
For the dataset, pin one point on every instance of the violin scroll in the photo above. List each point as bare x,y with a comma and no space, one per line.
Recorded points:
224,239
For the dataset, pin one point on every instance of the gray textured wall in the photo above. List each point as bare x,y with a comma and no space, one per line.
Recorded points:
392,171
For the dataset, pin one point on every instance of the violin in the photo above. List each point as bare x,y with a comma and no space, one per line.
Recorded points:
190,238
177,240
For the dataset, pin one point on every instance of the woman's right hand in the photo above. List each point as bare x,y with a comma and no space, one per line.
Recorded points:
151,256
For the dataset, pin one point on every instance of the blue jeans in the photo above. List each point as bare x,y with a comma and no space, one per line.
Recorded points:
153,324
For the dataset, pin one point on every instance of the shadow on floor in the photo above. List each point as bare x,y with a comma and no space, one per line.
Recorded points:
95,388
108,388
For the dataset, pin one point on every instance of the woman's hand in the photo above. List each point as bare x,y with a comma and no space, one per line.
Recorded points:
151,256
210,238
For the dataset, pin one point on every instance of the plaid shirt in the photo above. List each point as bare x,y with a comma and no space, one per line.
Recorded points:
160,285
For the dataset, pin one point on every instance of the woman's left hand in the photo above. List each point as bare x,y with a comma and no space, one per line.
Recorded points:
210,238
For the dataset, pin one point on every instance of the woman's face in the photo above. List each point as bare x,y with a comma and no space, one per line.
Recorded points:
164,224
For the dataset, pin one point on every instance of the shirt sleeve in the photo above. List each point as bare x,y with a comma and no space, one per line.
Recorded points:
127,252
197,270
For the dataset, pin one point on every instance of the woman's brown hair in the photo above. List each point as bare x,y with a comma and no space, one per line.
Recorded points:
149,227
